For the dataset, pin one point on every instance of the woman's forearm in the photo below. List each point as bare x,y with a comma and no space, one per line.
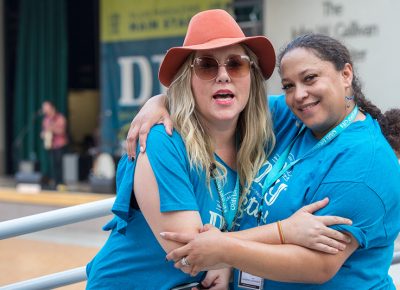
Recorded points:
301,228
284,263
267,234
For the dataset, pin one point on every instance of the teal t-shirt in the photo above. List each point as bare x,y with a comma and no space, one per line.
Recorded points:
359,173
132,258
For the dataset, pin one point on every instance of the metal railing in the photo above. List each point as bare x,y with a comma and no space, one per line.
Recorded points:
61,217
55,218
50,281
47,220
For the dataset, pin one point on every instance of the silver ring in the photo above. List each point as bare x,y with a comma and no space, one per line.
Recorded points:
185,262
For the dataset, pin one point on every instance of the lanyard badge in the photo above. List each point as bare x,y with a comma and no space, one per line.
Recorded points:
229,209
248,281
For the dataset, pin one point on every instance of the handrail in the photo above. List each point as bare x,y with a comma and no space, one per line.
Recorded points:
50,281
55,218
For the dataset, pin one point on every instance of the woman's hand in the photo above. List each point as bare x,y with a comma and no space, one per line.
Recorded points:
153,112
202,251
311,231
217,279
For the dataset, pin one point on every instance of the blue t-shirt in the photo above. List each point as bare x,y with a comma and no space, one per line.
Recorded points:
359,173
132,257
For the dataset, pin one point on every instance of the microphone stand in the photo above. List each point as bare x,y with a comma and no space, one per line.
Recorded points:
16,144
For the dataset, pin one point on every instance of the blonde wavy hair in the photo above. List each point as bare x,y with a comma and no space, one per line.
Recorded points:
254,131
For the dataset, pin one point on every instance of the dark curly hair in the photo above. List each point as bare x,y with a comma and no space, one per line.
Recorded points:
330,49
393,128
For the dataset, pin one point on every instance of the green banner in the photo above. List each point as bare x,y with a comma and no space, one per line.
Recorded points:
123,20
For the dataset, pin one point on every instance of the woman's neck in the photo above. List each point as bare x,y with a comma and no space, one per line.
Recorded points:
359,117
224,142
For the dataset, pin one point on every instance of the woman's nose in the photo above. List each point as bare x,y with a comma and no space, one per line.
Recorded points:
300,92
222,76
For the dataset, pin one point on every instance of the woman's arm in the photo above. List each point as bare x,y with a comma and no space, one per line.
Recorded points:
147,196
294,263
286,263
148,199
303,229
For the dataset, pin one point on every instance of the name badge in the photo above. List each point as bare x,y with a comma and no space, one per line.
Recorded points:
248,281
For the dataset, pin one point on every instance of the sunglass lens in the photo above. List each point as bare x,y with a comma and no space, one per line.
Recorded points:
237,66
206,68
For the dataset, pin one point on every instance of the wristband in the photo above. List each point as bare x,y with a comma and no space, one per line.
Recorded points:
280,231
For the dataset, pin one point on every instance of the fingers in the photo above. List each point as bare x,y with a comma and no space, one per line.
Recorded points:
206,228
195,270
166,120
329,241
177,254
185,266
334,234
335,220
329,245
326,249
185,269
183,238
143,133
331,233
217,279
313,207
131,140
218,287
189,269
208,281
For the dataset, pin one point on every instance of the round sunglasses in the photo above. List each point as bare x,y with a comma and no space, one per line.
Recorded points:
207,67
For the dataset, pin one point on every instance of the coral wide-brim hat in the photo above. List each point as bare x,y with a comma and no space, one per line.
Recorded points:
214,29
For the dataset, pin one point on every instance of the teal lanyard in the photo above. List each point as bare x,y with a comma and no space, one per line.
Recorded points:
279,168
228,211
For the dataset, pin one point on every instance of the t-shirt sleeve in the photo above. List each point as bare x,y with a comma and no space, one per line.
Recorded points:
168,159
282,118
275,104
359,203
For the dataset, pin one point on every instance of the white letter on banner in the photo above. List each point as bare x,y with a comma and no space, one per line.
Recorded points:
158,58
127,80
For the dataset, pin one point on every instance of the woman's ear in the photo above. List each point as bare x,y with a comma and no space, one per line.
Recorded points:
347,74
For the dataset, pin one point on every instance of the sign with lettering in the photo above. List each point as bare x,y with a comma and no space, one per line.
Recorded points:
367,27
134,38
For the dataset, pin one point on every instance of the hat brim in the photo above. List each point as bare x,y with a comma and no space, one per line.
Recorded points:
176,56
